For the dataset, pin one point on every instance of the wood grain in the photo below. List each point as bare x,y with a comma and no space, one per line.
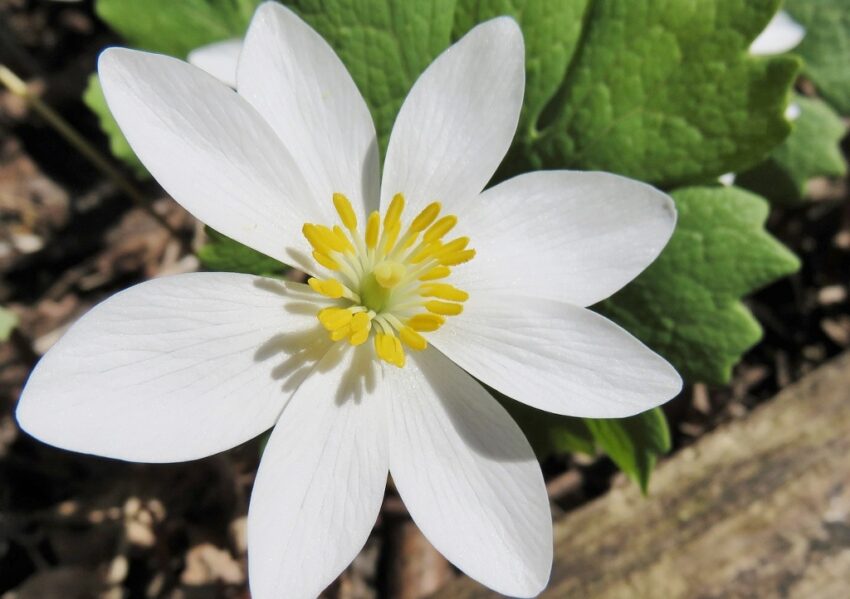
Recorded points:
758,508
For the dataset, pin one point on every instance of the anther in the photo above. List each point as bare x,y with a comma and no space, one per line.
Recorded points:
346,213
443,308
373,227
325,260
438,272
425,322
412,339
393,215
457,258
426,217
443,291
329,288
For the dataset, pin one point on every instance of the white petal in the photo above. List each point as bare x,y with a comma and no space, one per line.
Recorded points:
296,81
321,480
557,357
458,120
727,179
468,476
218,59
572,236
793,111
209,149
781,35
173,369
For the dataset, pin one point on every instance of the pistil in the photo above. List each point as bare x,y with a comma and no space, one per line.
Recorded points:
386,282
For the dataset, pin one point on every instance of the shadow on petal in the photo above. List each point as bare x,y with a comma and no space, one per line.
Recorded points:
479,419
300,351
297,354
370,178
300,260
361,378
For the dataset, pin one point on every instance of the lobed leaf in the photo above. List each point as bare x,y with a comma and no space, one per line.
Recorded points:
221,253
826,47
687,304
667,93
176,27
549,433
812,150
634,443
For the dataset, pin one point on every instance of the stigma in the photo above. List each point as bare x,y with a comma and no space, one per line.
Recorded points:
389,282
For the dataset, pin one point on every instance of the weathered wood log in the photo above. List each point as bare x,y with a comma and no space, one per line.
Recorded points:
416,569
757,508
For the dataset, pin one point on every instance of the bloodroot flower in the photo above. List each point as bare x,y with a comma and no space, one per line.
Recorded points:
421,283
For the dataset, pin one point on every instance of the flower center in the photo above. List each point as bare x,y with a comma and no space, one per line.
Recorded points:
385,282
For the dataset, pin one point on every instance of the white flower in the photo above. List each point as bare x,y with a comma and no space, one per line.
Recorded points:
781,35
219,59
186,366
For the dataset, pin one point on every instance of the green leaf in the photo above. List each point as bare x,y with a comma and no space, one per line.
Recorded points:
812,150
634,443
666,92
176,26
548,433
224,254
8,323
686,305
826,47
385,44
93,98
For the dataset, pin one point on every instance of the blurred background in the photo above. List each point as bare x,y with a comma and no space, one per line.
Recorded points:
75,526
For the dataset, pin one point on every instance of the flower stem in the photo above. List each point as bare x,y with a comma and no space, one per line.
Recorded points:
18,87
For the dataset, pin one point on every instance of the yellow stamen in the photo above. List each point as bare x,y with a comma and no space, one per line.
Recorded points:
325,260
398,352
361,321
386,275
457,258
438,272
426,217
329,288
393,216
311,232
341,333
330,239
343,238
360,337
426,252
334,318
443,291
390,236
389,349
409,240
346,213
385,347
425,322
455,245
443,308
440,228
412,339
373,228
